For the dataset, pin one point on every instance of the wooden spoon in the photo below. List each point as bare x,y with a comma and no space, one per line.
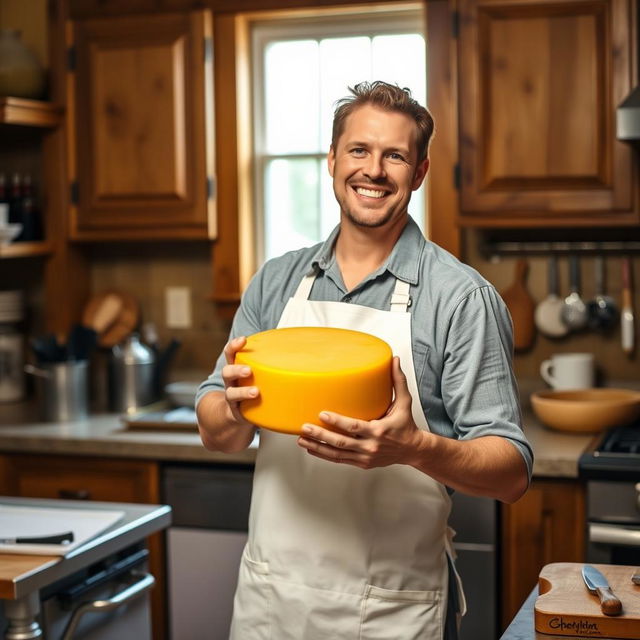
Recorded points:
521,307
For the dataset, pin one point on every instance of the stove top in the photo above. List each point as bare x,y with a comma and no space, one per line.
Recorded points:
615,455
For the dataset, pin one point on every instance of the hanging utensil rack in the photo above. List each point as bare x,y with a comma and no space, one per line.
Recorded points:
504,248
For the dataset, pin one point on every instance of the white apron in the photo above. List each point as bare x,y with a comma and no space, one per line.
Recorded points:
336,552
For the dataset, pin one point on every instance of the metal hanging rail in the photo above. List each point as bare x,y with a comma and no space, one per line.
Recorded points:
494,248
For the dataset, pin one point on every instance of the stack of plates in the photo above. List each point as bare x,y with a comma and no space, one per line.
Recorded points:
10,306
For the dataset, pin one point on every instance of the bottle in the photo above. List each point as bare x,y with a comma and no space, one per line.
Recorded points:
12,386
32,225
15,199
4,201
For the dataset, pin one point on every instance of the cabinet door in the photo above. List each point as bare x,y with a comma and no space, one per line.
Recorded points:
539,84
77,478
142,114
546,525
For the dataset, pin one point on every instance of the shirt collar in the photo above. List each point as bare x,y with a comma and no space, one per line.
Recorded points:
403,261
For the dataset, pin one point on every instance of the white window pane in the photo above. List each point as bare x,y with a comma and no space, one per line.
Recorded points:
292,205
400,59
343,63
292,97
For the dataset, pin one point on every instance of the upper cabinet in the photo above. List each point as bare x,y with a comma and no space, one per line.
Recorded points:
141,117
539,82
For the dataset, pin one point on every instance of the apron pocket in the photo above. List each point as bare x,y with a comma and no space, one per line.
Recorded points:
302,612
251,619
410,615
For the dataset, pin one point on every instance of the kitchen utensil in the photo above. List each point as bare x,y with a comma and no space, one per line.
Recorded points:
574,312
586,410
635,578
598,584
47,349
565,608
58,538
627,321
569,371
114,315
521,307
602,310
548,313
163,360
131,375
62,389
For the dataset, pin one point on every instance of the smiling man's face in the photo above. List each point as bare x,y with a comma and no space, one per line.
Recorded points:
374,166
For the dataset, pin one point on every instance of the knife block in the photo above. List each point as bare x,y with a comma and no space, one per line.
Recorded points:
566,607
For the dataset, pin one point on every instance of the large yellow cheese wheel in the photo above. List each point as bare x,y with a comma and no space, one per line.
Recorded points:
301,371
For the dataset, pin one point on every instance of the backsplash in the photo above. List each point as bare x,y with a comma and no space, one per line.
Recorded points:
145,271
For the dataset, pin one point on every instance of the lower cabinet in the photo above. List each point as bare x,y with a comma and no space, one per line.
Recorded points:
546,525
102,479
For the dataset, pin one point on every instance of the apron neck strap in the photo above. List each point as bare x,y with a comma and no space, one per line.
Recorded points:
304,288
400,299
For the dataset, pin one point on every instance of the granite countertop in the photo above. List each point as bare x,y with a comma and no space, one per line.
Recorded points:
556,453
106,435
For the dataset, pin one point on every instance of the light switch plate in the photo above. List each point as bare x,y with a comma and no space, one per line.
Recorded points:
178,307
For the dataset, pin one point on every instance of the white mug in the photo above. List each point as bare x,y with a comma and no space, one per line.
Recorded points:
569,371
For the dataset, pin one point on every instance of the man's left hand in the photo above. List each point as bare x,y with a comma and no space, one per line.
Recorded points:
392,439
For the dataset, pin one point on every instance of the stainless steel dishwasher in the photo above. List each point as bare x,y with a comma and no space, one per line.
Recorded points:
475,521
204,544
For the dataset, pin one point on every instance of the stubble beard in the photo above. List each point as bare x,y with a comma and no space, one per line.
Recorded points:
381,219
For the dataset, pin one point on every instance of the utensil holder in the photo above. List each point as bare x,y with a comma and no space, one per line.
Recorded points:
62,389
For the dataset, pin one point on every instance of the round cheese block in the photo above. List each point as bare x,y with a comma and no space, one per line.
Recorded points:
301,371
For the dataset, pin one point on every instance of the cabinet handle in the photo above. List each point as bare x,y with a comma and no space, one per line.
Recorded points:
74,494
614,535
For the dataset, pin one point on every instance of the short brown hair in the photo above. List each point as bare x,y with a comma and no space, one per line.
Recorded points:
390,98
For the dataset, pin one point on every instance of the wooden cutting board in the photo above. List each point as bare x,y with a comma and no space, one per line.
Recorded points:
566,607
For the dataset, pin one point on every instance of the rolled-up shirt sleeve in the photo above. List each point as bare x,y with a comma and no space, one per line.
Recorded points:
479,389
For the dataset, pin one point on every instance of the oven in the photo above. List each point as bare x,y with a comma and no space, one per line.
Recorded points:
611,468
106,600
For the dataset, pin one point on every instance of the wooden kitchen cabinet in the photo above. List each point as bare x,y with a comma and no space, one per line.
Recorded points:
141,160
546,525
539,82
117,480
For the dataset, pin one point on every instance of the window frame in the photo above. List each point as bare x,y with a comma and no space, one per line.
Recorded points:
264,28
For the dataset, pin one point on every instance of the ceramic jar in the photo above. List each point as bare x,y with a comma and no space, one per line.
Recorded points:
21,74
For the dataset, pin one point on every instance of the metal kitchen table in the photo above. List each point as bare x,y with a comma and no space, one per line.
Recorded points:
23,576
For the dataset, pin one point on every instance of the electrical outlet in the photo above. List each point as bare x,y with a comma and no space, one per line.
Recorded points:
178,307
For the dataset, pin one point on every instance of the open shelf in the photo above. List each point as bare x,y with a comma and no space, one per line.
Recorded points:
29,113
25,249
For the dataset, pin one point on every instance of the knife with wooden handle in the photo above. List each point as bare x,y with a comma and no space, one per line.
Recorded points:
597,583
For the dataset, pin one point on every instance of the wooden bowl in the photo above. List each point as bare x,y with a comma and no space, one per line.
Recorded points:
586,410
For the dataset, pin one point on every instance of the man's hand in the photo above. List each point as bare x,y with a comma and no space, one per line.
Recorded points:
222,427
487,466
392,439
231,373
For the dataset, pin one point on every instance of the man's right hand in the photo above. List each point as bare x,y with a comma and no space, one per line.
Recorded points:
222,427
231,373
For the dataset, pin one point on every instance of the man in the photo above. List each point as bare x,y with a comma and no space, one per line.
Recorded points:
351,542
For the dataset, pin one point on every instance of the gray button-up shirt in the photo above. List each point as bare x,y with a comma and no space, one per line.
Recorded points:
461,330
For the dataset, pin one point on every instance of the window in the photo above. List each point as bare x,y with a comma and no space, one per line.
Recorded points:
300,67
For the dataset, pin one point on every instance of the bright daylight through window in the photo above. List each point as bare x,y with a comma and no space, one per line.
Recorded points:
300,70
